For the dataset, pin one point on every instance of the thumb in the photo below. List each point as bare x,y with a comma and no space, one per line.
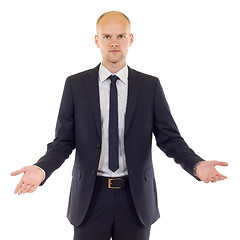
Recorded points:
15,173
224,164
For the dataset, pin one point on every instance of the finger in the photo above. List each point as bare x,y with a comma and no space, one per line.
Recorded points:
15,173
220,177
217,174
223,177
28,188
18,186
213,180
223,164
33,189
22,189
206,180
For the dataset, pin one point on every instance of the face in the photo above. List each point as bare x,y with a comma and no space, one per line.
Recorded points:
114,39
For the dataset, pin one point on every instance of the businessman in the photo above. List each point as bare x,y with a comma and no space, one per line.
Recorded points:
109,115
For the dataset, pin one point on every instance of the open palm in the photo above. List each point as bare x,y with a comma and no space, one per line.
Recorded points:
31,179
207,172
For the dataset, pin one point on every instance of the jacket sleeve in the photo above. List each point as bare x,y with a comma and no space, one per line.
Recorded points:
167,135
64,142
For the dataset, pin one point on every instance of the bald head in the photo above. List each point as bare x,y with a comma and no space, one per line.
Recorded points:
114,39
113,16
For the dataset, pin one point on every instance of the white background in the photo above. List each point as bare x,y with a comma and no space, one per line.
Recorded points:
192,46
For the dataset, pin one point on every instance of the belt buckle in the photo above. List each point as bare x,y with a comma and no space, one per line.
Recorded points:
110,183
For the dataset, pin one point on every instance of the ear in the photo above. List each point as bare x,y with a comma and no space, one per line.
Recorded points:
97,41
131,39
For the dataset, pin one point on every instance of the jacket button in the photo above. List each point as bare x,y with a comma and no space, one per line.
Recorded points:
94,172
98,145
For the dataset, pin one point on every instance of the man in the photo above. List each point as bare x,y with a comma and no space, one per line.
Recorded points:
108,114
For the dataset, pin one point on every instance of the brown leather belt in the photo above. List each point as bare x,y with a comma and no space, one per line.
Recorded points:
112,183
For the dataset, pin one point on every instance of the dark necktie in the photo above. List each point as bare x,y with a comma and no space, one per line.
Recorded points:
113,125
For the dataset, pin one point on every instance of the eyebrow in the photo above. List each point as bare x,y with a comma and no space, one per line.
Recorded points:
106,34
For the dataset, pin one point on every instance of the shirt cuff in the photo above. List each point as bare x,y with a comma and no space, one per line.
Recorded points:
195,170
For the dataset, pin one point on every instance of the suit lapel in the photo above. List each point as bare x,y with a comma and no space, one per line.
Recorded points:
92,89
134,84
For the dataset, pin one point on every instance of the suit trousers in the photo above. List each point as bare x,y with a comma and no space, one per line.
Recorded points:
111,214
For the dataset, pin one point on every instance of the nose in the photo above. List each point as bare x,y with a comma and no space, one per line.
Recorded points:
114,45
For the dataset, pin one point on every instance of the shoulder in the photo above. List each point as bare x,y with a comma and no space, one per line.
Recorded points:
78,77
143,76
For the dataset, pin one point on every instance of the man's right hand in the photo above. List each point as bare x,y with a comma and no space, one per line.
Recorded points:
30,180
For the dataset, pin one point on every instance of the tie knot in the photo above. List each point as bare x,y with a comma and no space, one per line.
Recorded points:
113,78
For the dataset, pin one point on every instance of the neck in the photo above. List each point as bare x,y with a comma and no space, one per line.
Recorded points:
113,67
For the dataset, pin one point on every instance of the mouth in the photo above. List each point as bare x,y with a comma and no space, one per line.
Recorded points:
114,51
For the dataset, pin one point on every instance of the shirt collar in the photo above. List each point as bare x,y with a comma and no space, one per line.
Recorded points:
104,73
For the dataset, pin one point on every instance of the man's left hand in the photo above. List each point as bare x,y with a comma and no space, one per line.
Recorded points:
207,172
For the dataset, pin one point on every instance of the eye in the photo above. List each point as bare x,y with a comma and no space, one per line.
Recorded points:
121,36
106,37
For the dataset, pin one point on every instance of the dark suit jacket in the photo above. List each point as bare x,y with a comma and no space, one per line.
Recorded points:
79,127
